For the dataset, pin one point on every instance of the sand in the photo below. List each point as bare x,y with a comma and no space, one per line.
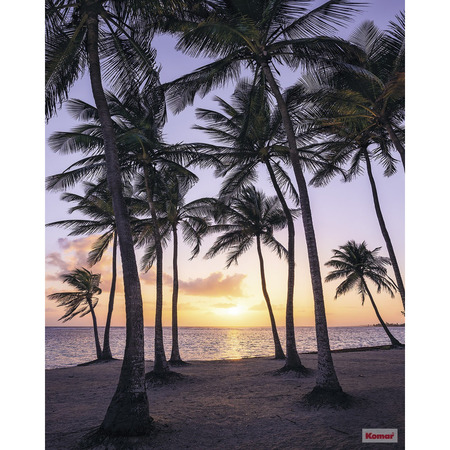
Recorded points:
237,404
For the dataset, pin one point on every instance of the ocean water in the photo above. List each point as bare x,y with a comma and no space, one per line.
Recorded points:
69,346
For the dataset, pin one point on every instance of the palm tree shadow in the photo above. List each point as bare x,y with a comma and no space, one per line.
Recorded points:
300,372
97,361
154,379
330,398
179,363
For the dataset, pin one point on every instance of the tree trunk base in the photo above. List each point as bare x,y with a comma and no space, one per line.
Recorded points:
299,370
127,415
158,378
397,344
335,398
106,355
97,438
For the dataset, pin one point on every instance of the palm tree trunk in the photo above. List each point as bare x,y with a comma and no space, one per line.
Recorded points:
279,354
128,412
106,352
175,357
94,322
292,358
386,329
395,140
384,231
160,365
326,375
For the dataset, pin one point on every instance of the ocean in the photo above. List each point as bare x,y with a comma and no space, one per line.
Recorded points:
69,346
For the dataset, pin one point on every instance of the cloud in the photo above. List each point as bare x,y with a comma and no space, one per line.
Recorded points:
224,305
55,259
187,307
150,277
263,307
215,285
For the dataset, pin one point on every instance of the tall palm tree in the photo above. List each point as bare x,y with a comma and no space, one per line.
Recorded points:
97,204
82,301
360,151
138,120
259,34
356,264
174,212
360,103
95,33
251,217
251,135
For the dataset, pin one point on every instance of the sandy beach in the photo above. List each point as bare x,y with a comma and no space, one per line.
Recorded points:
237,404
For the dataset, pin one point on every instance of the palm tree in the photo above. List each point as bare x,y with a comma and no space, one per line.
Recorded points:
78,33
361,105
259,34
138,121
360,150
97,204
251,217
82,301
174,212
370,87
356,264
250,136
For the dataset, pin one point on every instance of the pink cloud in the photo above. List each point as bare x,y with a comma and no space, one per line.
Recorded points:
215,285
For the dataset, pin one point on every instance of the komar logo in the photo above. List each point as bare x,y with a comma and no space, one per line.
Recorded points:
378,435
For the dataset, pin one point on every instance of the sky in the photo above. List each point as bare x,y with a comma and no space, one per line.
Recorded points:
211,295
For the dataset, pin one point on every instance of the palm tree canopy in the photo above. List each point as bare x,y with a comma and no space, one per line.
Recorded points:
128,59
249,216
238,32
352,99
247,131
138,121
173,211
76,303
97,205
355,262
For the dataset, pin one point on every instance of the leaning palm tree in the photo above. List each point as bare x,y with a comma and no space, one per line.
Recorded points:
95,34
97,204
356,264
359,151
360,103
260,34
83,300
251,217
250,135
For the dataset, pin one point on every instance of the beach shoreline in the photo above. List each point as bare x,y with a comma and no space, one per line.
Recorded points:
237,403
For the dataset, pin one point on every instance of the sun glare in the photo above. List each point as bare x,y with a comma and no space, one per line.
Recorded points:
235,310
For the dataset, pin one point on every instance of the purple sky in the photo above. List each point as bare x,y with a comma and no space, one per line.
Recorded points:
340,211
